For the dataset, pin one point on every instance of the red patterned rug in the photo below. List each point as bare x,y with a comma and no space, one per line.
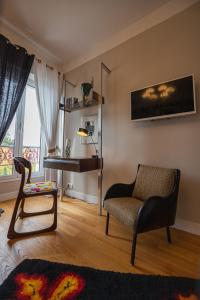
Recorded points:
43,280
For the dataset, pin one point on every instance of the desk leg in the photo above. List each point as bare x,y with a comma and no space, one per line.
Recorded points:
100,181
62,184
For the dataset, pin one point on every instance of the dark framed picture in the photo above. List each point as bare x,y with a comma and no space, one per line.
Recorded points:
164,100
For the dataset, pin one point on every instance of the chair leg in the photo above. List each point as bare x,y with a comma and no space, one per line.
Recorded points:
168,235
107,223
23,214
133,247
11,230
12,234
54,225
22,204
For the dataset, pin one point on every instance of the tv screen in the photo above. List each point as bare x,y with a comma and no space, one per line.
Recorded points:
164,100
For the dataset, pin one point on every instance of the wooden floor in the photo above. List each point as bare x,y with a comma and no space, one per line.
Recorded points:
80,239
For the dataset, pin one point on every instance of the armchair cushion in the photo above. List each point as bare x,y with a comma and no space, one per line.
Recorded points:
153,181
124,209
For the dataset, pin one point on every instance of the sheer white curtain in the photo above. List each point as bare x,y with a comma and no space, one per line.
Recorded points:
47,88
48,93
59,134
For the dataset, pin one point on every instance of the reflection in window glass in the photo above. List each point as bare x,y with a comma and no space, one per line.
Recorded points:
7,151
32,129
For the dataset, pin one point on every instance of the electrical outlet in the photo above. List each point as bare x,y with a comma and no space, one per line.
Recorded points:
70,185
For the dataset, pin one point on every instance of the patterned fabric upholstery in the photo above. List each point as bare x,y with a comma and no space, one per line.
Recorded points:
124,209
38,187
153,181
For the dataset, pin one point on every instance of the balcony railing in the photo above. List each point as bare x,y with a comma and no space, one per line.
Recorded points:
31,153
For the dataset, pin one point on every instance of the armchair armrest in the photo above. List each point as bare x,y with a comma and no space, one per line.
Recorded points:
120,190
156,212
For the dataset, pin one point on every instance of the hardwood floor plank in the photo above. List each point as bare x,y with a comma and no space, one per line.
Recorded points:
80,239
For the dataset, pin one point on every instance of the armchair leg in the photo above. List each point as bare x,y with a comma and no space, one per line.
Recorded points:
168,235
133,247
107,223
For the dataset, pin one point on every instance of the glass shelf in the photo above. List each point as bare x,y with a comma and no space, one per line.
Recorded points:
80,106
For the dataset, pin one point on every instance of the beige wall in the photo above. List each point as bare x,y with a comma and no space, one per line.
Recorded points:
167,51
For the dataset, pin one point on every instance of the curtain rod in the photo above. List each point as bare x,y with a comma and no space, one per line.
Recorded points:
16,46
38,59
48,66
70,83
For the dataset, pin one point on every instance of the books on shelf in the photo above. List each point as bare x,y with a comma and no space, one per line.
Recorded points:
73,103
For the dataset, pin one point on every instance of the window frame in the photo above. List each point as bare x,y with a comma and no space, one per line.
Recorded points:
18,145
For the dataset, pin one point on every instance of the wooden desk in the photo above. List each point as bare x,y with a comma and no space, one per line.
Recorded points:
76,164
72,164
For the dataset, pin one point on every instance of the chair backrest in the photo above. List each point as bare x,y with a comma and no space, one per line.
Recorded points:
20,164
19,167
153,181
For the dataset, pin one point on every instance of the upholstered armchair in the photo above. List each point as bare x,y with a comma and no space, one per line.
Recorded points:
146,204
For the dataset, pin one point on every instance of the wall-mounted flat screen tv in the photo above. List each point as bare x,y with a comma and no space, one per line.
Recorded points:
164,100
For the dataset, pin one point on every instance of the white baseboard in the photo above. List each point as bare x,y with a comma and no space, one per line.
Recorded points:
85,197
187,226
8,196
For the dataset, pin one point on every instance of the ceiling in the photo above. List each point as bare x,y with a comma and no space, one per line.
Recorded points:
71,28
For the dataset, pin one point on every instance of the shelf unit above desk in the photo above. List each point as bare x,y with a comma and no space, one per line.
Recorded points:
98,101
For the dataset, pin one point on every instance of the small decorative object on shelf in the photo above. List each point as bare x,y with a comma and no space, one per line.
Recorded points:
71,103
68,148
58,151
1,211
67,102
87,92
96,98
74,102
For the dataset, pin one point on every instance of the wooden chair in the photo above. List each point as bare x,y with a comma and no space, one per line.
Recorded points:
146,204
31,190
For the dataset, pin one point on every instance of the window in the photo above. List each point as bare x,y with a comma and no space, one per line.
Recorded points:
32,129
24,137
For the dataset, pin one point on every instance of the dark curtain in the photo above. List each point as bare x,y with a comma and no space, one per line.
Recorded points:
15,66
